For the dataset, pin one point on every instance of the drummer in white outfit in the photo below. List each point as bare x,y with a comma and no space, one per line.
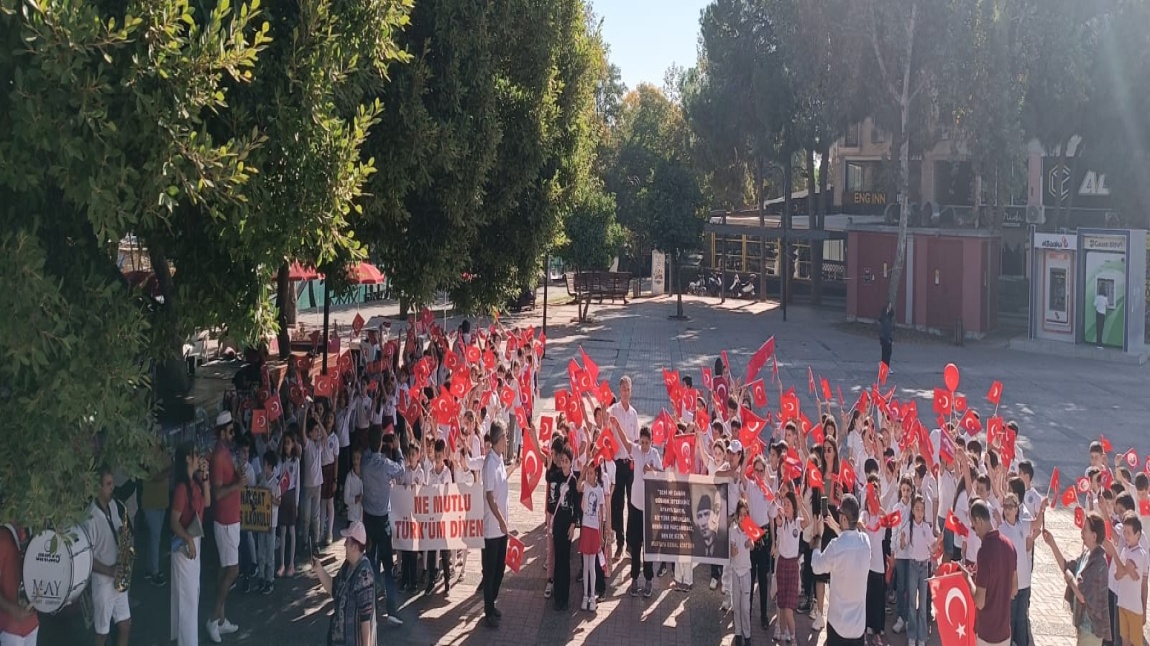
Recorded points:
104,524
193,493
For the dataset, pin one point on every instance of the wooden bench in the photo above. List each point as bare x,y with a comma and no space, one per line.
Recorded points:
585,286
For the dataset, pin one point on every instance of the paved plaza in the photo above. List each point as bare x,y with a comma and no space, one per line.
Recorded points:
1060,404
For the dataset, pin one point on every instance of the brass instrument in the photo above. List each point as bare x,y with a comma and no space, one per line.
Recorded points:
127,556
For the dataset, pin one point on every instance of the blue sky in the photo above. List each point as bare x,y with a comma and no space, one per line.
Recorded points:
647,36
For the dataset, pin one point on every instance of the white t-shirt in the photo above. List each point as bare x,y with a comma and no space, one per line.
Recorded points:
877,563
343,427
608,475
313,463
1101,303
1017,534
1129,588
741,561
919,538
946,487
105,548
762,510
962,512
1033,501
495,482
629,422
352,488
593,499
330,449
896,546
440,477
789,532
638,487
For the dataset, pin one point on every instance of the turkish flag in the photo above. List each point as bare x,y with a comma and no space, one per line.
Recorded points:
688,398
459,387
604,394
789,405
452,361
826,386
883,372
959,403
759,359
489,360
758,392
863,401
546,428
260,421
1106,447
591,368
344,362
670,379
707,378
811,379
324,386
357,323
972,426
1069,497
561,397
684,449
274,407
994,395
753,425
515,551
891,520
955,525
662,428
474,356
1053,488
925,446
703,420
945,446
574,411
521,417
1080,518
953,609
1083,484
531,470
817,432
792,466
847,476
942,401
872,505
814,476
608,446
507,396
753,531
1144,507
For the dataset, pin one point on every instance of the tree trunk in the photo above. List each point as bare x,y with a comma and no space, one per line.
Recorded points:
903,163
760,198
285,304
678,285
816,269
1059,211
788,178
977,210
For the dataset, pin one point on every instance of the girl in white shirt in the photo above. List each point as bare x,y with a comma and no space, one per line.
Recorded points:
901,559
916,540
788,531
740,567
353,489
438,474
590,537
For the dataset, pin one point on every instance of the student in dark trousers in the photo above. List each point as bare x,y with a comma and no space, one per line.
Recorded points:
886,332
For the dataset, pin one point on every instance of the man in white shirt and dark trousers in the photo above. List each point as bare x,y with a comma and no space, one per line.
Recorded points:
646,459
104,524
1100,305
495,519
847,560
626,418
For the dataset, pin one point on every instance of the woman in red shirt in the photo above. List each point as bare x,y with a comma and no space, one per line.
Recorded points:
192,494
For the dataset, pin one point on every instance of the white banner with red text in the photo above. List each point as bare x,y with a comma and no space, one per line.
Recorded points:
438,517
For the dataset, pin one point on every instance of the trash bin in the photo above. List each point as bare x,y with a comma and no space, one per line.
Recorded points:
636,287
959,333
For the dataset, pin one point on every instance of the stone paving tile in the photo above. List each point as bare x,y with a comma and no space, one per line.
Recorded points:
1061,405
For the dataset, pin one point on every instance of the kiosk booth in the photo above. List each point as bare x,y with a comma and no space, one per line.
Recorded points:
1069,272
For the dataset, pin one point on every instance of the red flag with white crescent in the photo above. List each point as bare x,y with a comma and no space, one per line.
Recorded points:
954,609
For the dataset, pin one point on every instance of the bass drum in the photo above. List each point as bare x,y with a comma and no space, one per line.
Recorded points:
57,567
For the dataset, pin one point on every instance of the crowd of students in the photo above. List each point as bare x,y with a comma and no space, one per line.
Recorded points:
437,408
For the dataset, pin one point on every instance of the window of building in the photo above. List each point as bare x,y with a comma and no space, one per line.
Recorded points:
863,176
876,135
852,136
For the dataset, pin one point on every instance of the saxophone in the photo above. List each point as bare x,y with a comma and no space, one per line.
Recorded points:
127,556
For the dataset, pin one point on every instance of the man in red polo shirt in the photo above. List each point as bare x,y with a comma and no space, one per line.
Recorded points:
19,625
995,579
226,485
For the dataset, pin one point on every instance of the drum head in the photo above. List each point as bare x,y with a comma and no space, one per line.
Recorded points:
56,568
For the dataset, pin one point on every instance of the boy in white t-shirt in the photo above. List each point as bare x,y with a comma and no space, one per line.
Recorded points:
1132,566
272,480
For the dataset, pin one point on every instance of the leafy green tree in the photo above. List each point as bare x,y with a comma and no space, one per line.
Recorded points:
673,213
591,235
143,118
